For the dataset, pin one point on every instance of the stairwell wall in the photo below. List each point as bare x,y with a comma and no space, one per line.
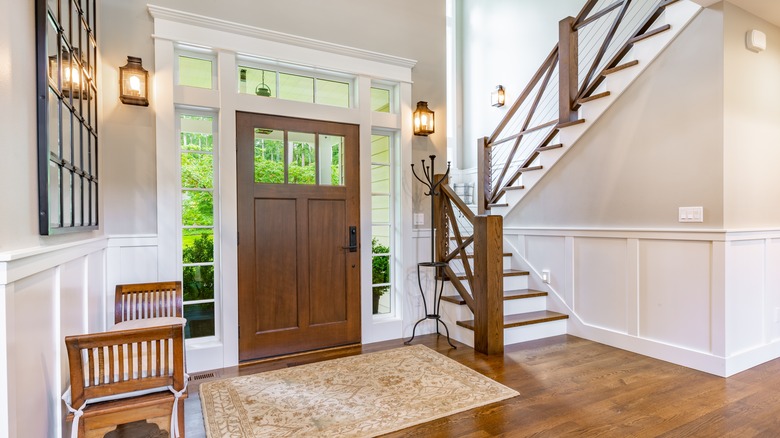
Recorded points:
659,147
751,128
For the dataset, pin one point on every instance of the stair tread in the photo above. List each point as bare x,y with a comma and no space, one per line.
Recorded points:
528,169
521,319
549,147
593,97
620,67
649,33
500,204
471,256
508,295
507,273
567,124
514,188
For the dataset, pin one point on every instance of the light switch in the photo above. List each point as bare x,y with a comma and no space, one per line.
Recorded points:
419,219
691,214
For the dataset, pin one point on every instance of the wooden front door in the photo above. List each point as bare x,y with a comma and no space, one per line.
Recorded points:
298,217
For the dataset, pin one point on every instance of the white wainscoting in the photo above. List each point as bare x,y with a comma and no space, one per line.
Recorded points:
709,300
47,293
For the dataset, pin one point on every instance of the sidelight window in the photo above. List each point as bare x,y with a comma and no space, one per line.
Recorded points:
382,224
197,149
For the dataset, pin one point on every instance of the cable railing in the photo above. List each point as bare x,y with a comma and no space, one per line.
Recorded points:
596,41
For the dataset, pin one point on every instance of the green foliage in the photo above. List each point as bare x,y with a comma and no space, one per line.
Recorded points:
198,281
269,172
197,208
380,267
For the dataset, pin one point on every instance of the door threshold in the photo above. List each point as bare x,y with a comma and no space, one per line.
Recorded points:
302,353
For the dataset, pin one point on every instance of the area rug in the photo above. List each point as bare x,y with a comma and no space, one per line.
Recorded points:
356,396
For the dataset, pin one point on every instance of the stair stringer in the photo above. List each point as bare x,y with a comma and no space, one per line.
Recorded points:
678,15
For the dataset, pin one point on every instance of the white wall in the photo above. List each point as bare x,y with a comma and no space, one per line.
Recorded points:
751,128
657,148
501,42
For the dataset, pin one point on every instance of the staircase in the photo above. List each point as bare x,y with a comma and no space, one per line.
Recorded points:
525,311
600,53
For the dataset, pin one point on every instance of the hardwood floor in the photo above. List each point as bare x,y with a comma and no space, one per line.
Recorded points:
573,387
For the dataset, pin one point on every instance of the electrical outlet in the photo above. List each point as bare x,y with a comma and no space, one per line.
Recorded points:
546,276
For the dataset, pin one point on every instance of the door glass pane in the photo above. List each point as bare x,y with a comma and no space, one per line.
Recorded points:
380,149
195,72
331,160
380,100
200,320
294,87
301,158
333,93
269,156
197,171
197,245
256,81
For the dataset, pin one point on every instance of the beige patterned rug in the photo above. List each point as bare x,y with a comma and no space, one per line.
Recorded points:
356,396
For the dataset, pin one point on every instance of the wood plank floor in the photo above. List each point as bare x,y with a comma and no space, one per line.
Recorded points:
573,387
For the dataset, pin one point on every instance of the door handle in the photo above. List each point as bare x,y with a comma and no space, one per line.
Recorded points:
352,240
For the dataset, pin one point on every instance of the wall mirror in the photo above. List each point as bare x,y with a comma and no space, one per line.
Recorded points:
66,80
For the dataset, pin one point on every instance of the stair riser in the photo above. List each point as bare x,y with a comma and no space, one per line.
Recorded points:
510,283
530,332
524,305
457,265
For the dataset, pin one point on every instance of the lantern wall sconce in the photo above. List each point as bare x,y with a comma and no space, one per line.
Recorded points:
134,83
423,119
498,96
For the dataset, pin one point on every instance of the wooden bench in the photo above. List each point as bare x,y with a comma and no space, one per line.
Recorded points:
147,300
124,376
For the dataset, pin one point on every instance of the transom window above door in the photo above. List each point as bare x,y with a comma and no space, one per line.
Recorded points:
299,86
287,157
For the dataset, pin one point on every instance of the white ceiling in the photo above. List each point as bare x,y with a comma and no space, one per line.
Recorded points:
769,10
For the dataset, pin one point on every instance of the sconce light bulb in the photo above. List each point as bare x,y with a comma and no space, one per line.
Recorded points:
135,83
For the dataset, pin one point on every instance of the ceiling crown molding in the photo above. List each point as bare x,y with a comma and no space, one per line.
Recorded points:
161,13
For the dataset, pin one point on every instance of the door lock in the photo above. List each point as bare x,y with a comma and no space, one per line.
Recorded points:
352,240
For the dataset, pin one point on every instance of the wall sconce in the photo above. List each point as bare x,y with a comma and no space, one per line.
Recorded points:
423,119
134,83
498,96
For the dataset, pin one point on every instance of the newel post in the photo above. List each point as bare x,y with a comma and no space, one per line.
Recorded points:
483,175
567,69
489,284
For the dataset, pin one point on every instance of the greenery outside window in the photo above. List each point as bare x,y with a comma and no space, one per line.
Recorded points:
197,158
382,247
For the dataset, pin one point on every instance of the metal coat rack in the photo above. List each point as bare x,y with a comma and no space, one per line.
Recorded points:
438,267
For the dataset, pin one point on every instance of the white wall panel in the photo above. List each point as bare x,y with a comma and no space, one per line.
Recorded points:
35,353
546,253
96,290
73,316
600,282
674,292
744,295
772,289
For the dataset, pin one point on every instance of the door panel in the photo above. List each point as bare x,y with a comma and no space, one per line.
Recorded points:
298,196
276,275
327,267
